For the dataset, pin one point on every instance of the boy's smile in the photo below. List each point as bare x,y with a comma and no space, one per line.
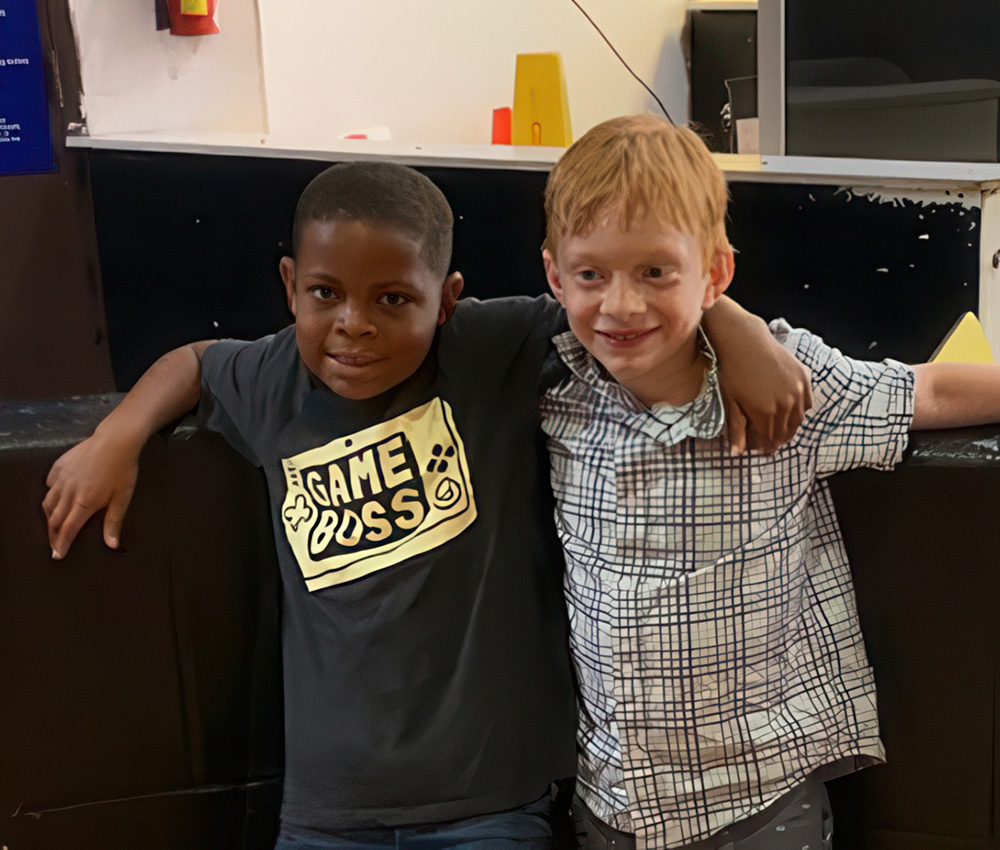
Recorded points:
635,298
366,306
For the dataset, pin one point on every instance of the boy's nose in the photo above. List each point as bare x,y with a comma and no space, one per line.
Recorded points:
354,320
622,299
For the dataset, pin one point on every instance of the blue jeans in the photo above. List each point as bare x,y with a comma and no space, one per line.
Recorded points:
526,828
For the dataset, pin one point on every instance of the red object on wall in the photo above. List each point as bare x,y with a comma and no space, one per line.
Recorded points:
181,24
501,125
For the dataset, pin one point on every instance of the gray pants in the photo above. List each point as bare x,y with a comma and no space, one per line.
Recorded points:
799,820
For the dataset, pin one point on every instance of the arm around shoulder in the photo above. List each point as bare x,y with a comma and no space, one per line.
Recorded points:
766,389
953,395
101,472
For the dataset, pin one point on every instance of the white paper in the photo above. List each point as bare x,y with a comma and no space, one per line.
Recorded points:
748,135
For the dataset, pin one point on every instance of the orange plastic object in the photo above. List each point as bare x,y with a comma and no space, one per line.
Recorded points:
201,23
501,126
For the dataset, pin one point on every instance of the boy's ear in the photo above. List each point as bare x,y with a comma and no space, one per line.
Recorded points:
287,268
452,288
720,275
552,275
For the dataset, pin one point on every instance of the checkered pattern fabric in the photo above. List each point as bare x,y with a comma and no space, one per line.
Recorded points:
712,611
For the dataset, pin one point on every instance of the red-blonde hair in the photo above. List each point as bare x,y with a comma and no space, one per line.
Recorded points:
633,166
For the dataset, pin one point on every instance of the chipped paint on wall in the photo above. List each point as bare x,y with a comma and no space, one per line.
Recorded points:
879,273
967,198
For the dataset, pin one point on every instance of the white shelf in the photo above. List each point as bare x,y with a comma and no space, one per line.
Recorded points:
843,171
737,167
518,157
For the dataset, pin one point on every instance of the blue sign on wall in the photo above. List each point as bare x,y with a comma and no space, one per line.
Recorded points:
25,142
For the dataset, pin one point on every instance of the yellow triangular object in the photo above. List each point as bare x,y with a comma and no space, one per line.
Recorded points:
965,343
541,108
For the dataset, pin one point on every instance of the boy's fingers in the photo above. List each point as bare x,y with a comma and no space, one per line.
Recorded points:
791,423
788,421
783,428
737,429
55,508
763,441
50,479
795,412
69,528
112,532
49,503
53,531
807,394
115,517
791,420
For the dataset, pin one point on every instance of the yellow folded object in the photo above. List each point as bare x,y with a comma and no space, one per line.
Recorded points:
964,343
540,114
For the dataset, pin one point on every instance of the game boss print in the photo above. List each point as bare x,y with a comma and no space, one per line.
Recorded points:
370,500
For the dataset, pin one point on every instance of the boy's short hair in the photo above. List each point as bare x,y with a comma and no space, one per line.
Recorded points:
384,194
635,165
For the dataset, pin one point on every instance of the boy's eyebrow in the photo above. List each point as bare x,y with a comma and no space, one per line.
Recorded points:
656,258
582,255
323,277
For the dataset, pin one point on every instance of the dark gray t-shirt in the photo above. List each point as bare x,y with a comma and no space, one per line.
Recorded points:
426,669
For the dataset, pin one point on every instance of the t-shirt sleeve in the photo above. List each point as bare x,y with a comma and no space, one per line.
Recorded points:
510,321
862,410
231,400
496,334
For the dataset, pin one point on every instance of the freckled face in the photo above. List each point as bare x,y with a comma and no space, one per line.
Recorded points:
366,306
634,299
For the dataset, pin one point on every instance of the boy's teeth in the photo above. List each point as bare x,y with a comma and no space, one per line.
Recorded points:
625,336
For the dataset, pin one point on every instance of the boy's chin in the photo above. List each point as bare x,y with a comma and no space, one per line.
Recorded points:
359,391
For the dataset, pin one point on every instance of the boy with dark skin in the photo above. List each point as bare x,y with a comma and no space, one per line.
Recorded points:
428,694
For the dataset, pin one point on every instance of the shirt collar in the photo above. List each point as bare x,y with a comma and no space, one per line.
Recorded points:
669,424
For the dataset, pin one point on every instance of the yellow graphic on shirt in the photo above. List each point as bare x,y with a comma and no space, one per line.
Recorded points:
370,500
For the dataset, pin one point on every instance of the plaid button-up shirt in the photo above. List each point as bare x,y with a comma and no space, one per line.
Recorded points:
712,611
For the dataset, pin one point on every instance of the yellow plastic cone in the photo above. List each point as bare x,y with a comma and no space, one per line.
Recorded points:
965,343
541,108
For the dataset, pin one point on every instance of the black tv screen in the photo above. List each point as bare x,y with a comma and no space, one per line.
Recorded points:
889,79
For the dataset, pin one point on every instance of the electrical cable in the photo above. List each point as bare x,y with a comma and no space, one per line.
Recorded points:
622,60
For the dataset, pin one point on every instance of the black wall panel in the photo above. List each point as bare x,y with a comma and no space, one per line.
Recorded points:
876,275
927,577
141,688
190,244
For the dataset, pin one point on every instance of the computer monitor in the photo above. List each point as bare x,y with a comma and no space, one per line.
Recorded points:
881,79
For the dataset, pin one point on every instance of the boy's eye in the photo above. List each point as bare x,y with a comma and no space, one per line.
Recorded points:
588,275
392,299
324,293
654,272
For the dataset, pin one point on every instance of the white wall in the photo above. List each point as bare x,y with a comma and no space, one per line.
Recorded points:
136,78
432,71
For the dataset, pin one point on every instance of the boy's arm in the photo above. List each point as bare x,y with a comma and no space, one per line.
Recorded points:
101,471
765,388
952,395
